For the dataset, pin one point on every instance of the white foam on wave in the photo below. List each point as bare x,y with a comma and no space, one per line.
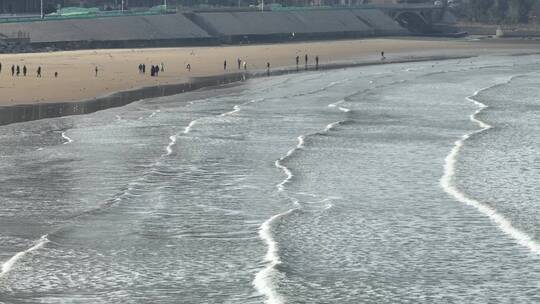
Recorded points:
8,265
154,113
279,163
332,126
264,279
301,141
288,173
189,127
236,109
172,142
67,138
447,182
335,104
334,83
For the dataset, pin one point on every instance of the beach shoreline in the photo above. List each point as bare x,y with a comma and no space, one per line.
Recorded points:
18,111
35,111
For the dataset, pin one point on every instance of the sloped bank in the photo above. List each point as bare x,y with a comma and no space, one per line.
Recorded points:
204,28
253,26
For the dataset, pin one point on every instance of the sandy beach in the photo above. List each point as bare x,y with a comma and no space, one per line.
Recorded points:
118,69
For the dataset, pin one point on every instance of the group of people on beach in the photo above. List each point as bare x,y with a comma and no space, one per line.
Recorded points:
16,71
243,64
306,62
154,69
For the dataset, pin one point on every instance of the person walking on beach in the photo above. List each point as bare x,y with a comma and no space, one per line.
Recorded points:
55,74
268,68
306,60
188,67
96,70
245,66
382,56
12,70
297,62
225,65
144,68
0,67
18,71
39,72
152,71
239,63
316,62
162,67
24,70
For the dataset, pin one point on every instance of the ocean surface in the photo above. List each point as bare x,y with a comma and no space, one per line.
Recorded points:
402,183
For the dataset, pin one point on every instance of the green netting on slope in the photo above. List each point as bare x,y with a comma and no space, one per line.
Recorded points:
92,14
75,11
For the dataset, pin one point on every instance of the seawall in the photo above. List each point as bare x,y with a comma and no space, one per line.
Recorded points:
204,28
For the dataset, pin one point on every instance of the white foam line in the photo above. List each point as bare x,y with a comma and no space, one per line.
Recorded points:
189,127
264,279
332,126
118,118
334,83
8,265
335,104
69,140
236,109
288,173
279,163
301,141
447,182
172,142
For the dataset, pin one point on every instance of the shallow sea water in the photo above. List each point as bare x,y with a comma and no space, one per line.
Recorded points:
381,184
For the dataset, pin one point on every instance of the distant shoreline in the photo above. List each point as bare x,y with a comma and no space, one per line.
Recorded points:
119,83
30,112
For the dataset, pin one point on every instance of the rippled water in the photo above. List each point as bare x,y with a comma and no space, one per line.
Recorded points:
403,183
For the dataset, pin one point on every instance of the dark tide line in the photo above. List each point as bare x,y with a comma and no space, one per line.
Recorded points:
36,111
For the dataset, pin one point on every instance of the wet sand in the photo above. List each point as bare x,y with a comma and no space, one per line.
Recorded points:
118,69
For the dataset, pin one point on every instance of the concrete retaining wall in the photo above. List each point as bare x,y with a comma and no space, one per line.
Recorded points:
205,28
21,113
380,22
110,31
233,26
